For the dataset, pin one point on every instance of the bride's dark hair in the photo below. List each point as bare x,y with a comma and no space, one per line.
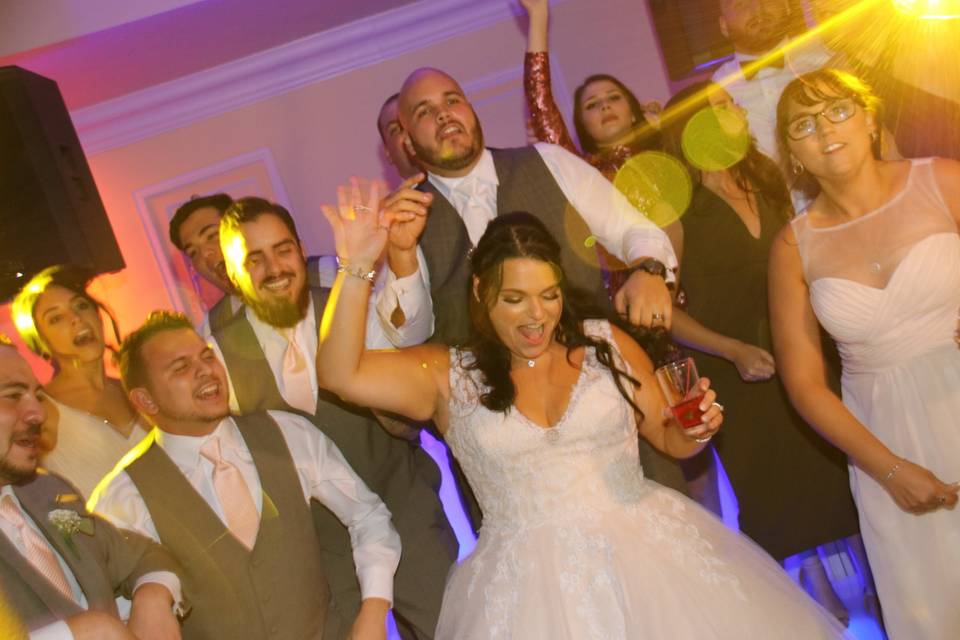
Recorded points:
521,235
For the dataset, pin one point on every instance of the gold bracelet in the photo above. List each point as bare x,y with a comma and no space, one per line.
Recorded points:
344,267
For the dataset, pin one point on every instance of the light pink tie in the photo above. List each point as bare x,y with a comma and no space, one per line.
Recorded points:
38,551
296,376
234,494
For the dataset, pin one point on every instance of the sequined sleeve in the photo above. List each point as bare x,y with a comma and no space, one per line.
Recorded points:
545,118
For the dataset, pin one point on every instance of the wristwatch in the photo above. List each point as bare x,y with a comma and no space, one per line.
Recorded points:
654,267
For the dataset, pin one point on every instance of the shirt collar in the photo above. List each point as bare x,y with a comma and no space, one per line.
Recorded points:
745,58
185,450
484,171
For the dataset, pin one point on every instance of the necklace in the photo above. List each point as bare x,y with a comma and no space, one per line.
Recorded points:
531,363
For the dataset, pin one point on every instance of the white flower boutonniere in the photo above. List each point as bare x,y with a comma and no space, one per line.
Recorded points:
68,522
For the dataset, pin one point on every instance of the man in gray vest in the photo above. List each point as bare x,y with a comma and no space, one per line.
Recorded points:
61,568
230,497
467,186
195,230
270,352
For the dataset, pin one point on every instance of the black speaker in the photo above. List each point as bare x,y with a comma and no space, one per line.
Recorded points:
50,210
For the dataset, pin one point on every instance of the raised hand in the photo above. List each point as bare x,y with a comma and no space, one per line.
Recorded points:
359,227
408,210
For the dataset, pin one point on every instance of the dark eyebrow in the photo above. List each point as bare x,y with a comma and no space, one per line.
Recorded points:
426,100
284,242
6,386
203,231
553,286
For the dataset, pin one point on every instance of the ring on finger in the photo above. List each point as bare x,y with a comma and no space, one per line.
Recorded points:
717,405
362,207
941,499
704,439
657,317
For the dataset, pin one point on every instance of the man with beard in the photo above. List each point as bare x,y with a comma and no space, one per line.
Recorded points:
195,230
270,352
230,496
759,30
469,185
60,567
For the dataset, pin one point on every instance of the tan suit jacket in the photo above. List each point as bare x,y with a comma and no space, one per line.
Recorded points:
105,564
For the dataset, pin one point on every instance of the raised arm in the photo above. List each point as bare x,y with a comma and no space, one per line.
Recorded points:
545,118
796,342
411,382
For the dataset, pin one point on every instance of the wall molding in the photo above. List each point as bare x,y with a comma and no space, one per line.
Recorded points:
291,66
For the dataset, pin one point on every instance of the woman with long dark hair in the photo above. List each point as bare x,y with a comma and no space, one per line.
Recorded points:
61,321
875,260
542,410
792,489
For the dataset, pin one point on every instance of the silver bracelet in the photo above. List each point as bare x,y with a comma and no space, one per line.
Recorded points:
343,266
893,471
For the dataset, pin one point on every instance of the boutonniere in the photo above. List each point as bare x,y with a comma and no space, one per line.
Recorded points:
68,522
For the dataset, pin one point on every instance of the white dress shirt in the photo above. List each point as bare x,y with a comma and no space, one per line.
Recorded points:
60,630
324,476
616,224
760,95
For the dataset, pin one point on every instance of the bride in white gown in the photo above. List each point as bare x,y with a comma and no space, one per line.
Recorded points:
876,259
542,412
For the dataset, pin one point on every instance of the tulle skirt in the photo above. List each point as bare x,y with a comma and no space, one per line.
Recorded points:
658,567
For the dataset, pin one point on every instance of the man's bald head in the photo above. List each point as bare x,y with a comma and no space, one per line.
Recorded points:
443,131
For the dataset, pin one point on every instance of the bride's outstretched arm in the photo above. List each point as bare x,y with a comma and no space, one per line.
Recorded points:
796,343
411,382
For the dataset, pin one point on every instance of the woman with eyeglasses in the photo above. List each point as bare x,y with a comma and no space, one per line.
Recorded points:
876,260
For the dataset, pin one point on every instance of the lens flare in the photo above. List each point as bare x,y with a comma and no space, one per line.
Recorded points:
657,184
929,9
714,139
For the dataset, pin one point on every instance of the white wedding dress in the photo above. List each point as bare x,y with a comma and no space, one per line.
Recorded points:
576,544
887,288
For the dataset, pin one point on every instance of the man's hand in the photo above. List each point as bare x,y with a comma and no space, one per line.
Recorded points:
407,210
151,617
753,363
97,625
645,301
371,622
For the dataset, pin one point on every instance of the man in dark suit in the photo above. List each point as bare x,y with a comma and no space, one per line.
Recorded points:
60,567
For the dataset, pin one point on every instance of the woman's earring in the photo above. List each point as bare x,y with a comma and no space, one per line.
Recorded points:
874,136
796,166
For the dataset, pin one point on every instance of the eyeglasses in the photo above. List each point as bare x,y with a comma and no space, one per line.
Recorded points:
836,112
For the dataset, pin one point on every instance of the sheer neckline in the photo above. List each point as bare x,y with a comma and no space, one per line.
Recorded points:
897,197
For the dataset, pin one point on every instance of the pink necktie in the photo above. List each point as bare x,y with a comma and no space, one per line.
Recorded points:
38,551
296,376
234,494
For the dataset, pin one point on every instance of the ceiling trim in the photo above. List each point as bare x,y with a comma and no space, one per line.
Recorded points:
148,112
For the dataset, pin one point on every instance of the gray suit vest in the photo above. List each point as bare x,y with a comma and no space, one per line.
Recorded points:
278,589
526,184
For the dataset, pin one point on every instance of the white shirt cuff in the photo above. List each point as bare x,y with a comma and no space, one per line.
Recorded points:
377,582
168,580
57,631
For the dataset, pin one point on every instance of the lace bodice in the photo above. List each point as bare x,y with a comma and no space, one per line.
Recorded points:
524,474
887,285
